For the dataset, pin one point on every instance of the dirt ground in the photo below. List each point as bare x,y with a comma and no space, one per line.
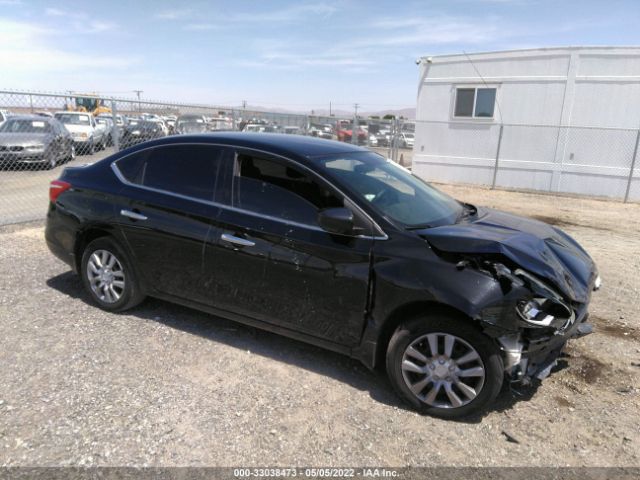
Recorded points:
165,385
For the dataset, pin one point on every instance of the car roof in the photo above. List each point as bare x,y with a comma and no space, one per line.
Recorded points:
281,144
69,112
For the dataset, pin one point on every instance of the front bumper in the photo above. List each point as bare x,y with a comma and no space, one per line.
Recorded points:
22,157
530,358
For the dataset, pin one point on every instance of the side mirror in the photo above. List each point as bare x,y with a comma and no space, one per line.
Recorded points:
336,220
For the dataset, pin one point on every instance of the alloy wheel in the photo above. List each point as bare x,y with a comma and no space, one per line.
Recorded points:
443,370
106,276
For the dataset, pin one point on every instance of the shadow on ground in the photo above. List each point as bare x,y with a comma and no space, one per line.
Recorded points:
283,349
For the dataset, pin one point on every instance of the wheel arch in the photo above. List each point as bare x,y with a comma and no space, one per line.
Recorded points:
404,312
88,235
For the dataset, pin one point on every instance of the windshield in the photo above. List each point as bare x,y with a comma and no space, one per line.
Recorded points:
69,119
392,190
25,126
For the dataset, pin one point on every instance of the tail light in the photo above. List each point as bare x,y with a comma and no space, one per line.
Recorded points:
56,187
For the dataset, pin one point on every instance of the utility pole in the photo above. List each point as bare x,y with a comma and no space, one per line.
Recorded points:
138,92
329,108
355,128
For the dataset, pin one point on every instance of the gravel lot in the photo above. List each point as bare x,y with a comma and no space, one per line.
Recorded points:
165,385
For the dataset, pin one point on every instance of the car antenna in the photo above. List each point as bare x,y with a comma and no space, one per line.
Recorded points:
484,82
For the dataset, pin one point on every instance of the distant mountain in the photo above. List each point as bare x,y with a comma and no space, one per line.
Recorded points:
409,113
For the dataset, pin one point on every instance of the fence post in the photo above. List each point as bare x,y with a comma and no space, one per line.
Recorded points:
116,132
495,168
396,139
633,167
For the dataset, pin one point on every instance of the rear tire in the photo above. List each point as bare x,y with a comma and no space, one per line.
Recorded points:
109,277
440,384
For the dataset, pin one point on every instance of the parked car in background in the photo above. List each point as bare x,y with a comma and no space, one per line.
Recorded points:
254,128
190,123
382,138
291,130
344,135
217,124
138,130
408,127
4,114
319,131
170,121
87,135
158,121
119,120
334,245
32,141
108,125
406,139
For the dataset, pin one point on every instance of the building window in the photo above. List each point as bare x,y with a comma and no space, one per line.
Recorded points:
475,102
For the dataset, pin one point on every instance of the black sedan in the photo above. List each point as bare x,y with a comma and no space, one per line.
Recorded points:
138,131
333,245
33,141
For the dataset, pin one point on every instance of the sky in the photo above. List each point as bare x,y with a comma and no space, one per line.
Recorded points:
297,55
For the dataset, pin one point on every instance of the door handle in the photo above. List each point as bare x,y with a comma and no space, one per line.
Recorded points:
237,240
132,215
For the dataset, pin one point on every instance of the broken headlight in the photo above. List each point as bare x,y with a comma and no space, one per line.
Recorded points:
546,309
541,312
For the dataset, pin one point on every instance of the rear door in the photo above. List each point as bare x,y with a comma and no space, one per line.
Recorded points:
168,210
270,260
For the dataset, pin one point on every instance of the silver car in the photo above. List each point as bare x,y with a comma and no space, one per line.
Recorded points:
31,141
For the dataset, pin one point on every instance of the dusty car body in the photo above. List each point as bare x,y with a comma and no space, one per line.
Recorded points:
88,136
333,245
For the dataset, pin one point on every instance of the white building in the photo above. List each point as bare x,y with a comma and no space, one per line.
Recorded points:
592,93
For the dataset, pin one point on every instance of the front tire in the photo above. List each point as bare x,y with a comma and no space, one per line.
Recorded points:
444,366
109,277
50,160
72,154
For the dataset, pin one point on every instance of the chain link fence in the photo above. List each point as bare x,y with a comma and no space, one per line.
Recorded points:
581,160
40,132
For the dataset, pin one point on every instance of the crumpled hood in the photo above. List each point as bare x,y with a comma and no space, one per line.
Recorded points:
535,246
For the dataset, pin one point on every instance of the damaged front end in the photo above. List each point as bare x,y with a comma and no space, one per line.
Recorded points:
544,322
545,281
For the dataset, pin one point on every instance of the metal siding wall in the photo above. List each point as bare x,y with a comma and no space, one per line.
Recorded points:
536,152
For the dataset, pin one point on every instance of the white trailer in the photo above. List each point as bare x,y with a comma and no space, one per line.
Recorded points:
552,119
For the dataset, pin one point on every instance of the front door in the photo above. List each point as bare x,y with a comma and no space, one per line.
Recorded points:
268,259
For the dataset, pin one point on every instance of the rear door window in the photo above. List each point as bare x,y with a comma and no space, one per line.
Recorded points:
189,170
